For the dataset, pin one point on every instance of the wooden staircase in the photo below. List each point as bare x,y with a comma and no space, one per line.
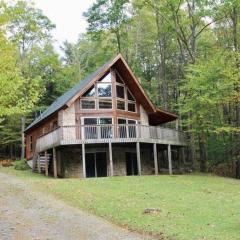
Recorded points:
40,163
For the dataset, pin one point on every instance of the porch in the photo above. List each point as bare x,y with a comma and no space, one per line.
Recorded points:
109,133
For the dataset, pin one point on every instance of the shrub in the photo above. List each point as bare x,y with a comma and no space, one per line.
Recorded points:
21,165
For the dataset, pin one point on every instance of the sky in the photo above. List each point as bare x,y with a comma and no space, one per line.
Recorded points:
67,16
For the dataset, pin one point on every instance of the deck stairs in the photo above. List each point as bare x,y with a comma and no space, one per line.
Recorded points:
40,164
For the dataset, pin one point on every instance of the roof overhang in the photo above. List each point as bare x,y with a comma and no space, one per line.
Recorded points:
161,116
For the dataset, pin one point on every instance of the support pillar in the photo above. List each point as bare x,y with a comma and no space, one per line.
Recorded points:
169,159
46,163
138,158
155,158
110,158
54,163
38,164
83,160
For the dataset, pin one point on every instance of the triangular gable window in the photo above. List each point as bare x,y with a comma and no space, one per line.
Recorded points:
130,96
107,78
90,93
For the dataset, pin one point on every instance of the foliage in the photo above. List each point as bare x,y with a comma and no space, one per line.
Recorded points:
109,16
21,165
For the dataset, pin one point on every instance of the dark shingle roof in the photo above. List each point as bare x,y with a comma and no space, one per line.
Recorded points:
61,101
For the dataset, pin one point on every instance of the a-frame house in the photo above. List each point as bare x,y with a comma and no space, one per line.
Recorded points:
104,126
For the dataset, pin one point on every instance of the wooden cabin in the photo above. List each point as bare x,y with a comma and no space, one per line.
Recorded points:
104,126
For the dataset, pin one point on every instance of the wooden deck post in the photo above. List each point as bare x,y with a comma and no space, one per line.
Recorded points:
155,158
138,158
110,158
46,163
169,159
83,160
54,163
38,163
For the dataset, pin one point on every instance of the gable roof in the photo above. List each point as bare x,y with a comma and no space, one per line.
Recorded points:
71,95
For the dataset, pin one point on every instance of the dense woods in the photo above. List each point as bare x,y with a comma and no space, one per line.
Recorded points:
185,52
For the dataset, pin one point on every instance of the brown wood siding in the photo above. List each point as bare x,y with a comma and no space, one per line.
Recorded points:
42,129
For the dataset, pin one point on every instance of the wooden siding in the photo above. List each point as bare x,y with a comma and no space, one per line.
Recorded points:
43,129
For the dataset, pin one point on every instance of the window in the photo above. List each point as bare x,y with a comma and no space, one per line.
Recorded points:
127,128
130,96
120,105
104,90
122,129
88,104
95,131
105,104
107,78
120,91
131,107
105,121
90,132
31,143
106,129
132,128
90,121
128,102
90,93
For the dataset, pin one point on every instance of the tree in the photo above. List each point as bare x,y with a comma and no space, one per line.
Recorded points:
206,89
27,28
110,16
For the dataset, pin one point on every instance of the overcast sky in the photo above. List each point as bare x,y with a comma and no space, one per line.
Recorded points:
67,15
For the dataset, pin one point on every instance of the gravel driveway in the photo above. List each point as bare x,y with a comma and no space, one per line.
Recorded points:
28,214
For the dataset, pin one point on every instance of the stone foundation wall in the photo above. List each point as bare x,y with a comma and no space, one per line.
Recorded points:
70,160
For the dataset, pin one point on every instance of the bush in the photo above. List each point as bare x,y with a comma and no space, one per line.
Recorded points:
21,165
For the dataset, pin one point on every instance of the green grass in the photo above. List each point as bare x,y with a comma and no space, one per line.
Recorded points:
191,206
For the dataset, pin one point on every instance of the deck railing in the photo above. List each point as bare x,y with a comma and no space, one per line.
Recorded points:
48,140
109,132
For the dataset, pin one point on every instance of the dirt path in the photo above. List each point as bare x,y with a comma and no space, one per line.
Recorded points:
27,214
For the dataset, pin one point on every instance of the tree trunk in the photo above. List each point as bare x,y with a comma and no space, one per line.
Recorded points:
161,49
202,151
238,169
118,41
23,120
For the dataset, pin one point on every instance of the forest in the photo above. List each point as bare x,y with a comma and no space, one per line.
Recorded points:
186,54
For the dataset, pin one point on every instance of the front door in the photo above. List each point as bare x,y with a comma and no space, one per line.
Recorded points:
96,164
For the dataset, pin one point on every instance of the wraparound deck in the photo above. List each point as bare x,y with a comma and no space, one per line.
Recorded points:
92,134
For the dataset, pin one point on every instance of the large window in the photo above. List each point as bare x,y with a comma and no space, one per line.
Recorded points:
90,93
125,99
88,104
120,91
104,89
99,96
96,128
105,103
127,128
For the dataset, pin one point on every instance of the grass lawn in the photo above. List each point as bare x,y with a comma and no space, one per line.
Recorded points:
191,206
